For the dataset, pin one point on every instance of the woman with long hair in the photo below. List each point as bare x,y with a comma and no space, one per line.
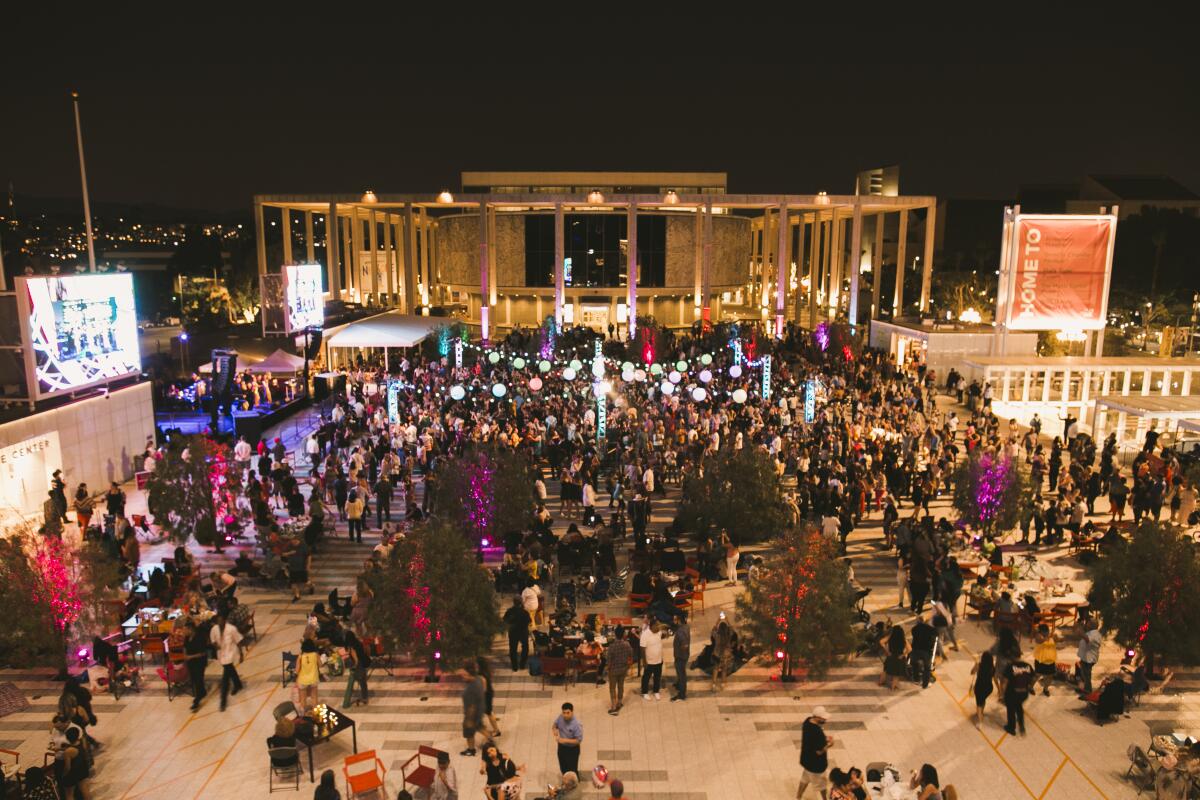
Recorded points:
985,673
502,773
925,781
893,663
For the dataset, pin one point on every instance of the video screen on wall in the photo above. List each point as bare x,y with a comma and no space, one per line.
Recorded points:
304,297
82,330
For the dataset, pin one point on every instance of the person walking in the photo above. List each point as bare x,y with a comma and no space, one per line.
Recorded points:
681,648
814,753
652,653
1088,654
195,656
985,673
517,620
568,733
84,506
473,700
732,554
356,669
620,656
308,674
1018,680
228,641
354,516
383,501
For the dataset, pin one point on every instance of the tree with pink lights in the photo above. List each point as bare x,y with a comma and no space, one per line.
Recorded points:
484,493
990,491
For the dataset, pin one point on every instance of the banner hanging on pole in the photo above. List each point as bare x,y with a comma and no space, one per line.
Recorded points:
1060,268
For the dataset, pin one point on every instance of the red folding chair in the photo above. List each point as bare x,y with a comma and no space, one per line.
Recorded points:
364,773
422,774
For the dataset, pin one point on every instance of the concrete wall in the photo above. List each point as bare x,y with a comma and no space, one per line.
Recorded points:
731,250
948,348
94,441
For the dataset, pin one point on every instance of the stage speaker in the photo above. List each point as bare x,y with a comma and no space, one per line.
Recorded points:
328,384
248,424
224,366
314,344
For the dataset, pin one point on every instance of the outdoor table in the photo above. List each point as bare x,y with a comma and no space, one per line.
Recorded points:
897,791
309,734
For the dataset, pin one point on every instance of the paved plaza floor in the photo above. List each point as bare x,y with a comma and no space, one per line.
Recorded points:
739,744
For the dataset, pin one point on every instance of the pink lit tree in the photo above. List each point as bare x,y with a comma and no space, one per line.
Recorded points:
989,492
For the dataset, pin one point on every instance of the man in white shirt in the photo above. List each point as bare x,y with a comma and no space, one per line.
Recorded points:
241,454
648,480
652,651
228,641
313,448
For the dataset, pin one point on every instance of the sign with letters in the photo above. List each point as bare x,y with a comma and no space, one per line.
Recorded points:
1058,271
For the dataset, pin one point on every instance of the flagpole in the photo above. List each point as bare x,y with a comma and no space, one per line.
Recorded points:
87,209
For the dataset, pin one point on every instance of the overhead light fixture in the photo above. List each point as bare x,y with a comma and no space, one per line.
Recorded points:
445,197
671,198
369,196
823,198
594,196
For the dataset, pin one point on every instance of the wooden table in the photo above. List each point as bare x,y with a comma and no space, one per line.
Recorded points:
309,735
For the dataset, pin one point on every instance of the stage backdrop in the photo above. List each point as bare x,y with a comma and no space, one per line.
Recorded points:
1060,268
93,441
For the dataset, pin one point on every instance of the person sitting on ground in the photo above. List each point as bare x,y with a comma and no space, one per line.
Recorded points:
925,781
244,565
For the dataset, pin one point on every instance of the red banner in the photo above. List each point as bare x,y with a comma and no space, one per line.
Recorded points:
1061,266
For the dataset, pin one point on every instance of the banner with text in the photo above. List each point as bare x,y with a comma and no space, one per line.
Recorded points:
1060,268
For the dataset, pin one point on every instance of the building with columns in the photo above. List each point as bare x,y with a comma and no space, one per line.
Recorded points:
512,248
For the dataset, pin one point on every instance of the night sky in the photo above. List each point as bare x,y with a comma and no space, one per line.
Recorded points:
204,113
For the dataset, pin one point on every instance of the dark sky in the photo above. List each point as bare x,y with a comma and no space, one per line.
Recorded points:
203,111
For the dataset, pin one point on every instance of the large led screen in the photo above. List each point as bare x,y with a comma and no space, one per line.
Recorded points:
81,331
303,295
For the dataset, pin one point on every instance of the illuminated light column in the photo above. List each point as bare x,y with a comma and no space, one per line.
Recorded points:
855,261
601,410
631,270
374,241
766,377
901,255
927,266
458,350
285,231
559,255
412,275
309,245
485,327
493,259
877,264
810,401
782,260
332,269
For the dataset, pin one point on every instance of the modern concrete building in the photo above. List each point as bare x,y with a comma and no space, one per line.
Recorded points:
512,248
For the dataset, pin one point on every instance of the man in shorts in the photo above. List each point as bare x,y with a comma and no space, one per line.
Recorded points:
814,753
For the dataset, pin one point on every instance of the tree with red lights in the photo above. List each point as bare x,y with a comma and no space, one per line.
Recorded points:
1146,591
797,609
433,600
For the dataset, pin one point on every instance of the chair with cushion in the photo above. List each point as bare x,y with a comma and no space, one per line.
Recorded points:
364,773
556,667
422,774
285,765
638,602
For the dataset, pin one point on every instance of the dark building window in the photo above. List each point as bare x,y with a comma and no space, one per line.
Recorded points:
592,250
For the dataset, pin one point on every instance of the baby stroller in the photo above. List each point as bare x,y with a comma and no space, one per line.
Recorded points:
616,586
860,604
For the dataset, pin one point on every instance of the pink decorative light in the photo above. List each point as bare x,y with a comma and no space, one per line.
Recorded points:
821,336
57,590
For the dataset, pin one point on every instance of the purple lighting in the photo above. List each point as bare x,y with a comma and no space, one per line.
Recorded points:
821,336
481,502
991,485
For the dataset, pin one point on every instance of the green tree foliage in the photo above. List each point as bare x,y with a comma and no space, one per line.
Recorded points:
990,491
1147,590
485,492
740,492
799,603
188,487
432,596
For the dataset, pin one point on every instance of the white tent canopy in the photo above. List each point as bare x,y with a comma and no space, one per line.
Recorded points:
278,362
244,359
392,329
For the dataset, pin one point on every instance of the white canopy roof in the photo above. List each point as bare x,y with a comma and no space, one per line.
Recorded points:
391,329
244,359
277,362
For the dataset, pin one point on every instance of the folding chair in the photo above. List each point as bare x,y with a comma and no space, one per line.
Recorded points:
285,709
176,678
364,772
290,663
638,602
285,764
422,774
556,667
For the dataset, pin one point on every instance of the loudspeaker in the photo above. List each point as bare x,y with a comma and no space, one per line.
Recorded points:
327,384
314,344
248,424
224,366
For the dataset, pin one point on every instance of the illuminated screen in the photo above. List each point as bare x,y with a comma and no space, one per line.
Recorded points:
82,331
303,293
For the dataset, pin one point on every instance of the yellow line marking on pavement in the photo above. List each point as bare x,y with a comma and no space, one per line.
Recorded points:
1053,778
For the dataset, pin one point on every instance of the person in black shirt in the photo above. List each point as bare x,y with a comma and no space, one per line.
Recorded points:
1018,680
814,752
285,736
361,662
924,639
517,620
195,650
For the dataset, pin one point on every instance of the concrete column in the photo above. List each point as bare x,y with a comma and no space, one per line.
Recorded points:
927,259
1128,383
1028,379
435,277
632,270
411,298
537,308
768,255
373,240
356,256
1145,382
260,237
855,261
347,253
426,264
901,258
799,267
782,262
877,264
494,259
333,271
706,282
756,249
1166,387
1185,383
309,244
814,269
830,290
285,231
560,253
390,262
402,280
697,263
484,280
